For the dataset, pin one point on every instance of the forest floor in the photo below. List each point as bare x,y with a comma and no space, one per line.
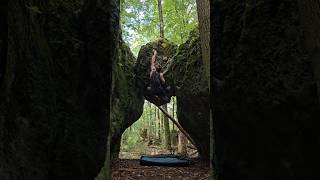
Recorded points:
136,153
130,169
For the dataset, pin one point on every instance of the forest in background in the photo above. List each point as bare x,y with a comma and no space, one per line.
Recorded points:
154,134
144,21
140,22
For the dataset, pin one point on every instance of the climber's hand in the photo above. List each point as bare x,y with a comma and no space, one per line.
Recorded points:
154,52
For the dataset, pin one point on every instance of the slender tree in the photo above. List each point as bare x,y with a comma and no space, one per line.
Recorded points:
173,111
155,121
159,125
161,23
149,123
182,144
166,130
203,8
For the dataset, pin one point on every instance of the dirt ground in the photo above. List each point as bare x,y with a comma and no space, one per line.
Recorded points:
130,169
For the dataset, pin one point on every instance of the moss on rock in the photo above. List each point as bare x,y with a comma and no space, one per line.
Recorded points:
193,103
186,71
55,89
127,102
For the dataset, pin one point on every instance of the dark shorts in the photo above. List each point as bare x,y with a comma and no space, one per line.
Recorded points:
159,91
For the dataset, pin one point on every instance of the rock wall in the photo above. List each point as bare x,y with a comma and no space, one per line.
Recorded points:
193,98
55,86
265,115
126,98
3,37
165,54
186,71
130,77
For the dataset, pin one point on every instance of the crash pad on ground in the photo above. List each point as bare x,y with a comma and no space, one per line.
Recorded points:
165,160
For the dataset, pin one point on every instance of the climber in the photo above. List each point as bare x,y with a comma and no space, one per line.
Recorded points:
157,82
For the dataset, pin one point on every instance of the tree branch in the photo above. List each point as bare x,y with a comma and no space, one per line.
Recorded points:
178,125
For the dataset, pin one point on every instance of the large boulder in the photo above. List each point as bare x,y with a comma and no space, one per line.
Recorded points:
193,98
185,75
126,98
55,86
265,115
165,52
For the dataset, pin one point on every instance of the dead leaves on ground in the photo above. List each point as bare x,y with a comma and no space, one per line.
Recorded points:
124,169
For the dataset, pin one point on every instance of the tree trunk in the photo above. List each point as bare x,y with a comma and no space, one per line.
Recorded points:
159,125
203,7
181,19
166,130
182,144
310,19
173,112
149,122
178,125
174,141
155,121
156,124
161,19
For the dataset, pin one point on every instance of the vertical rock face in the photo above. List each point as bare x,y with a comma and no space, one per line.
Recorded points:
130,79
165,54
193,104
185,70
54,98
264,117
3,37
126,100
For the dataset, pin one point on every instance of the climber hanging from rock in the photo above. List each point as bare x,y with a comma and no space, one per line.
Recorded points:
158,90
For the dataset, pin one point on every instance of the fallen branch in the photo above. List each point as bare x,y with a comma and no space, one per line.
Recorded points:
191,146
178,125
194,153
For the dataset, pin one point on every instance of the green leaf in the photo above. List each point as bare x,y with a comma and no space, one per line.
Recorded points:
34,9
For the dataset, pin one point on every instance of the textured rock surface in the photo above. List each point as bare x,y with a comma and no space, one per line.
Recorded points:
188,73
130,77
54,107
165,53
3,38
127,100
185,69
264,117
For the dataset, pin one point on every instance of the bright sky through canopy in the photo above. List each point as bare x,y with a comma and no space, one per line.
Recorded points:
140,21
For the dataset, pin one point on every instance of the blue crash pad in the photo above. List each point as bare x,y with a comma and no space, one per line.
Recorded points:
164,160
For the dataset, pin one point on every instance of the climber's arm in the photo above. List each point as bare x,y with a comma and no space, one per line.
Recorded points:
162,78
165,71
153,60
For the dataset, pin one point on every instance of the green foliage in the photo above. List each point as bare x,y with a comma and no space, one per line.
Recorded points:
180,19
135,139
140,21
34,9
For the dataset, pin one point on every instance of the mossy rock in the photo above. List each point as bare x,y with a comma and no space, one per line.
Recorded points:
193,103
127,103
165,53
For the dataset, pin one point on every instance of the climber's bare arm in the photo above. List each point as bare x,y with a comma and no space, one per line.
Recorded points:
165,71
162,78
153,60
